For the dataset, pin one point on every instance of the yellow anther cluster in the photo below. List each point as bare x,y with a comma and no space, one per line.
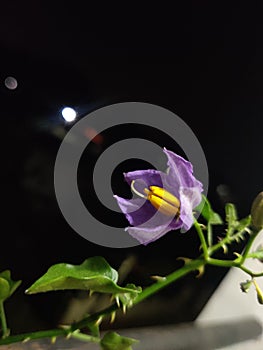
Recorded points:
163,200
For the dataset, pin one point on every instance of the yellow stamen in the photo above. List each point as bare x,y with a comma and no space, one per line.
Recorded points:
163,201
167,196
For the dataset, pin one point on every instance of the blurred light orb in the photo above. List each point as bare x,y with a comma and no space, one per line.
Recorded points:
69,114
11,83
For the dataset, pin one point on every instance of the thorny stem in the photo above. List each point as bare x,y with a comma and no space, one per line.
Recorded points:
84,337
202,239
233,263
174,276
249,245
147,292
34,335
227,240
193,265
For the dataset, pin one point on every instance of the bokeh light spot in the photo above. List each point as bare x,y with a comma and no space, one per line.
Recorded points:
11,83
69,114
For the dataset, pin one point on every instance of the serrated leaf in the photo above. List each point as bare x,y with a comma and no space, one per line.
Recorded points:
93,274
242,226
231,215
6,280
244,223
207,212
113,341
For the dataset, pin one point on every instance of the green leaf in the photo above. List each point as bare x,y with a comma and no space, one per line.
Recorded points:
234,224
258,254
231,215
128,297
207,212
4,289
7,285
113,341
244,224
94,274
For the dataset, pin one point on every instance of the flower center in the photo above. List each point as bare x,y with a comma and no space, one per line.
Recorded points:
162,200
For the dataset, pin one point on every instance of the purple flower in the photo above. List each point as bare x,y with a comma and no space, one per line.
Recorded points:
165,200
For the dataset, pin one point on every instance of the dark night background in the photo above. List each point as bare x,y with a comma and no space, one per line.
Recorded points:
203,62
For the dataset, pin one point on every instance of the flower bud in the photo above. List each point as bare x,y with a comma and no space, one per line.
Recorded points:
259,293
244,286
257,212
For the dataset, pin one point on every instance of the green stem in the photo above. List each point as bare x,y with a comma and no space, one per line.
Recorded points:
222,263
249,245
209,235
224,241
5,330
251,273
231,263
34,335
84,337
202,239
70,331
147,292
94,317
174,276
229,232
